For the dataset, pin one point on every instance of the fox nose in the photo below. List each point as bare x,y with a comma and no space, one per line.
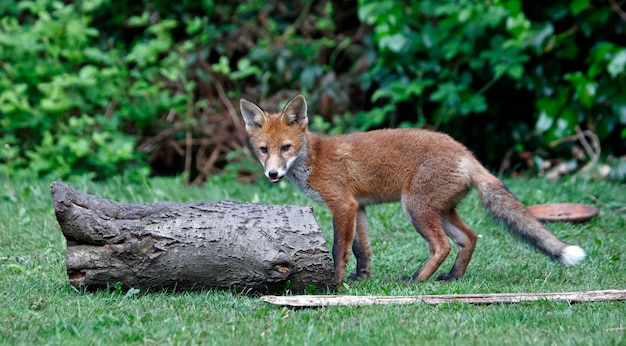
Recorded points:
273,174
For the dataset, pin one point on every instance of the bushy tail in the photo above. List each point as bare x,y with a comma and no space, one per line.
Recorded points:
504,207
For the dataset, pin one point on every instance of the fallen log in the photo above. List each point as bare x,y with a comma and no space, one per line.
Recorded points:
487,298
225,245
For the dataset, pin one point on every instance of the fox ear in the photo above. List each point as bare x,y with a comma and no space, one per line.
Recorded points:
253,116
295,111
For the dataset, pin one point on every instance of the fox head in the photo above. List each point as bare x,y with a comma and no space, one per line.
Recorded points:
278,139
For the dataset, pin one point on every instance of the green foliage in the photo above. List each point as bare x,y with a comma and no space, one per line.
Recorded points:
591,93
440,55
438,62
83,84
72,104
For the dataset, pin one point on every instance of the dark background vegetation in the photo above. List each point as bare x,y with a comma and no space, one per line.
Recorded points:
103,87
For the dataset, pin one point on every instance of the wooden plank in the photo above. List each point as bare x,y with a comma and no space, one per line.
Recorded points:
488,298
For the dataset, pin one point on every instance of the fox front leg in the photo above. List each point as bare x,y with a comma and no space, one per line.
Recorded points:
361,247
344,216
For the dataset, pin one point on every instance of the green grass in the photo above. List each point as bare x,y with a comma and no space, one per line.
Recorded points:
37,305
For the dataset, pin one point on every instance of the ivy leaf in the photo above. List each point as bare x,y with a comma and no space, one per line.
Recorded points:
585,88
477,103
617,63
544,122
598,58
618,105
550,109
578,6
394,43
447,93
565,124
400,90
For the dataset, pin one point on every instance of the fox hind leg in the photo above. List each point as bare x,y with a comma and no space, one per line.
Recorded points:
361,247
464,238
429,224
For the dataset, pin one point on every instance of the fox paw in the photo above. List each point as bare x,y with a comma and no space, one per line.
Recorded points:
447,277
355,276
406,278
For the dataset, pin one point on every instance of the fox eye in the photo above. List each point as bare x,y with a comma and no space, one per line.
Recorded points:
263,150
285,147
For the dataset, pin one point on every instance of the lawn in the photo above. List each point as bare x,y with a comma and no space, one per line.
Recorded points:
38,306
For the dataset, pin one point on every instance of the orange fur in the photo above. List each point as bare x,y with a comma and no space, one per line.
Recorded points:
428,171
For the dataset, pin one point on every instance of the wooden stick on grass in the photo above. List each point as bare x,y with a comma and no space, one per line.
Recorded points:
487,298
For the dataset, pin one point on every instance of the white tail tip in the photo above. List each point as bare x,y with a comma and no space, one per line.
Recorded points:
572,254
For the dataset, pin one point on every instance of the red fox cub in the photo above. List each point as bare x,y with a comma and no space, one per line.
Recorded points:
429,172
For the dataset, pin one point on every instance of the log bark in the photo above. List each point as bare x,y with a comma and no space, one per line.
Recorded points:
225,245
487,298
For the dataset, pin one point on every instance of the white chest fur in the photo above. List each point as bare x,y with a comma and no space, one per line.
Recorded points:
299,175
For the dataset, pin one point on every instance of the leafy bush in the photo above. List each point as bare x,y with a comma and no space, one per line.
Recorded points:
102,87
530,73
74,104
84,83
